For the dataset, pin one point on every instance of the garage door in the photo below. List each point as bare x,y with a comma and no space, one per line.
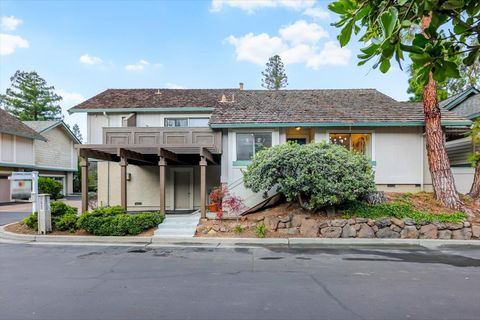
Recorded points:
4,189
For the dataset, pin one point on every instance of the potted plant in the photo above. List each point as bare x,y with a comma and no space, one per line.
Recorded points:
216,198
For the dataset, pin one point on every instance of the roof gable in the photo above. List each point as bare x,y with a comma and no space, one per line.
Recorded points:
453,101
11,125
44,126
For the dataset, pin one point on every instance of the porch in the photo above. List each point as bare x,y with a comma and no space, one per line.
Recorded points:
169,155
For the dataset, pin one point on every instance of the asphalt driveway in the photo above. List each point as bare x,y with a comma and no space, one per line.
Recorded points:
90,282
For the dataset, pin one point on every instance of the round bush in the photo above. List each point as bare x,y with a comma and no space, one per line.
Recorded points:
50,186
315,175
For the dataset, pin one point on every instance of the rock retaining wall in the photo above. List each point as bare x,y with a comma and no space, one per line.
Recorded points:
305,226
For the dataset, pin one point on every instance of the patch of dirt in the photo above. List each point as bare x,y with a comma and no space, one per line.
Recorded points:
22,229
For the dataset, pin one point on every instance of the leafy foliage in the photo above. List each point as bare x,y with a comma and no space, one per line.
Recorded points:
261,230
30,98
77,133
50,186
390,28
475,135
63,216
400,210
274,76
238,229
114,221
315,175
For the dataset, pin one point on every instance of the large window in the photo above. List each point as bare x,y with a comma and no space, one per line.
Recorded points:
186,122
359,142
250,143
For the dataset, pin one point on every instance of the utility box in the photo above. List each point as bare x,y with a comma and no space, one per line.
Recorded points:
44,214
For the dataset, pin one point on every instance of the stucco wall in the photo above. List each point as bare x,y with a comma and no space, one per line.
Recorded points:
143,188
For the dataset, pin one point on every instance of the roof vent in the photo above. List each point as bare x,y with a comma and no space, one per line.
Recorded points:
158,91
223,99
241,86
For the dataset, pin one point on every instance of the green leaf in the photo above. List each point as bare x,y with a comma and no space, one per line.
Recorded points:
451,69
337,7
388,21
472,56
371,49
439,74
385,65
420,41
346,34
420,59
453,4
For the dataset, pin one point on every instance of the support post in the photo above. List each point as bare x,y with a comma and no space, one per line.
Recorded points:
123,182
203,187
162,163
84,183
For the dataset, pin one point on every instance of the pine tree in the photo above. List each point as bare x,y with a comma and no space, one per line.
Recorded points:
30,98
274,76
77,133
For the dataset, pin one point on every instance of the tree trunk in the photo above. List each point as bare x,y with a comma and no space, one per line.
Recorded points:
442,178
475,190
438,163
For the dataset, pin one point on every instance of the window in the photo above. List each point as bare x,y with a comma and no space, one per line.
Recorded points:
250,143
198,122
186,122
359,142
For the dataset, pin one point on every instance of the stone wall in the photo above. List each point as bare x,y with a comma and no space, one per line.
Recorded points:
305,226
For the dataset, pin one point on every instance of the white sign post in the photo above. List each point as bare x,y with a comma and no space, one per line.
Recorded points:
33,176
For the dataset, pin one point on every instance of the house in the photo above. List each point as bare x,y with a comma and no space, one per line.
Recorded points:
46,148
166,148
55,158
459,146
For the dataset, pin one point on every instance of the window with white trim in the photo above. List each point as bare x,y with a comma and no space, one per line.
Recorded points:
358,142
186,122
250,143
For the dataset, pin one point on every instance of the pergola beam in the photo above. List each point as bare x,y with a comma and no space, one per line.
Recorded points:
204,153
100,155
167,155
135,156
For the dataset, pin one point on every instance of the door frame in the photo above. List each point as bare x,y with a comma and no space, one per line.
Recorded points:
190,171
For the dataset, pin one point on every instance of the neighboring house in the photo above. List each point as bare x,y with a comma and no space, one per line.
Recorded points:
56,158
23,149
166,148
459,145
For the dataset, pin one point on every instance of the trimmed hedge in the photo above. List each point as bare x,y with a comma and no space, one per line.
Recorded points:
50,186
114,221
64,217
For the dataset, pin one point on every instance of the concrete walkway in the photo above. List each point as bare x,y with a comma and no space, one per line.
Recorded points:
178,226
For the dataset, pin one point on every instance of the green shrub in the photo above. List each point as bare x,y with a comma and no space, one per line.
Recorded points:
66,222
113,222
59,208
400,210
31,221
238,229
315,175
260,230
50,186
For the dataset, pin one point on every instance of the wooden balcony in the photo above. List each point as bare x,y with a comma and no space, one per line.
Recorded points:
178,140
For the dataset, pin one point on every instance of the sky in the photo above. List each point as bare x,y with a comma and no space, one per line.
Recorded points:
85,47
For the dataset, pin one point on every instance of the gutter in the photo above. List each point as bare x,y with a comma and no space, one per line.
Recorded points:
334,124
160,109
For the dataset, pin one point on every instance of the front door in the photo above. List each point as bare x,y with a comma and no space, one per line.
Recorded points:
182,189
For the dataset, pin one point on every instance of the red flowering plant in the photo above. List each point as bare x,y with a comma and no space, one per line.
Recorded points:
233,204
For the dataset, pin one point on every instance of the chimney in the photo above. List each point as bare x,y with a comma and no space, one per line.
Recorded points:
241,86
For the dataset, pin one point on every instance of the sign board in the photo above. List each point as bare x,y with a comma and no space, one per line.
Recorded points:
21,176
21,189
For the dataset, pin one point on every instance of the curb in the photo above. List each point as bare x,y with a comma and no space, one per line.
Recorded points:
238,242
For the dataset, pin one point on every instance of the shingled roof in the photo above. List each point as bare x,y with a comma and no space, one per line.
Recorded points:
11,125
152,98
242,108
320,107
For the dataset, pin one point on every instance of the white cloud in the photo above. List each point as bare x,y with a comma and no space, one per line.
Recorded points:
296,43
303,32
139,66
10,23
70,99
174,86
256,48
90,60
251,5
331,54
9,43
317,13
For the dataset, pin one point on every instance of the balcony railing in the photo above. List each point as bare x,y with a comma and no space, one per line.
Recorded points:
164,137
